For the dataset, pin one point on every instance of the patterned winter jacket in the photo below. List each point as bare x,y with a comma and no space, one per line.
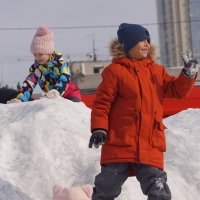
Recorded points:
55,74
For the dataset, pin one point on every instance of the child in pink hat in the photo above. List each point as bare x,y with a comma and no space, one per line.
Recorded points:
49,70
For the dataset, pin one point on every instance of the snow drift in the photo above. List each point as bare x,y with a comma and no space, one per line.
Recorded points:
45,142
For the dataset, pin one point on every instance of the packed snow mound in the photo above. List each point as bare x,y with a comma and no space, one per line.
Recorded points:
182,157
45,142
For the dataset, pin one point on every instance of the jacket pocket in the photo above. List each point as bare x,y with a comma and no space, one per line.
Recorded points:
158,136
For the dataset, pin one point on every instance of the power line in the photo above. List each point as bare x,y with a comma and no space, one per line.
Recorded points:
95,26
60,27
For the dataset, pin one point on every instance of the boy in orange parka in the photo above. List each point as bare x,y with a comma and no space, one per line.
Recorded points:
128,113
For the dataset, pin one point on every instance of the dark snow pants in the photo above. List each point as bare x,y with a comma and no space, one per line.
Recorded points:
109,182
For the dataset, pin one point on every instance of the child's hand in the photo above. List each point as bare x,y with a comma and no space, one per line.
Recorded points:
98,138
53,93
15,100
190,64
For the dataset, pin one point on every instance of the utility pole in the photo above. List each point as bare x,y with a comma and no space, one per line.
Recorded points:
2,73
2,69
94,50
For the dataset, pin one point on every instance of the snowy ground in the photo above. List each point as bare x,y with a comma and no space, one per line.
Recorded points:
44,142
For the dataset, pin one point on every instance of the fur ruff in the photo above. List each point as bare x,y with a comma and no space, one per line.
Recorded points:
117,50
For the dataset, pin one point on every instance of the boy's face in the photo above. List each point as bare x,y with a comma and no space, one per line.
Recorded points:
42,58
140,50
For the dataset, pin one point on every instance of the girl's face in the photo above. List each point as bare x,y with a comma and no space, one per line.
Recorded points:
42,58
140,50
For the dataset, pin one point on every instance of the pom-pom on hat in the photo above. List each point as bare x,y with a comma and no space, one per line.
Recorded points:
130,34
43,41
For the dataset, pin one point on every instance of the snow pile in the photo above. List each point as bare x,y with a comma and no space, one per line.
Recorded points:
45,142
182,157
42,143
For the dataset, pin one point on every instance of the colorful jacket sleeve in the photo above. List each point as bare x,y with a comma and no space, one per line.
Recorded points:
29,85
64,77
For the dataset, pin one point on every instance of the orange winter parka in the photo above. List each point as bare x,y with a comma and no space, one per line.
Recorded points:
129,106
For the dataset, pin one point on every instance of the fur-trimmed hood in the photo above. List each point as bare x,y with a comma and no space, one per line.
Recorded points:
117,50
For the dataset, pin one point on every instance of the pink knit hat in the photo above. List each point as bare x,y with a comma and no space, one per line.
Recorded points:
43,41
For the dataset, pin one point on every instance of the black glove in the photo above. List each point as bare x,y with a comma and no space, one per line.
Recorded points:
98,138
190,64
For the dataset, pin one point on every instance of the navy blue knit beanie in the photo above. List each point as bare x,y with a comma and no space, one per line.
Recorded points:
131,34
